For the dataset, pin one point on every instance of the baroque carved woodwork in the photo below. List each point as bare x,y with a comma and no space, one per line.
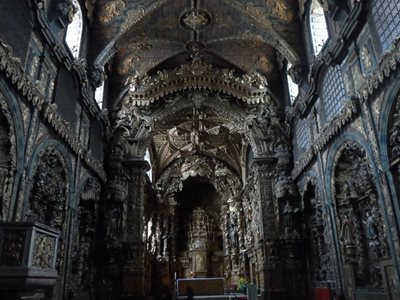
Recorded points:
12,68
362,233
317,236
49,195
7,158
83,265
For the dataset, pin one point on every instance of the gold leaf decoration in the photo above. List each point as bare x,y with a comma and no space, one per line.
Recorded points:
128,64
112,10
224,21
265,64
140,47
280,10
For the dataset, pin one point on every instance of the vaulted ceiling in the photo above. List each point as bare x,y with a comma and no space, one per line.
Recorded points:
142,37
145,35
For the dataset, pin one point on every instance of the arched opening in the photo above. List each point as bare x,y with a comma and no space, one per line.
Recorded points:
73,36
318,26
293,88
361,230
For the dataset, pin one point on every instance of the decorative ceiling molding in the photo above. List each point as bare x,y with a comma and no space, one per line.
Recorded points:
195,19
261,20
196,75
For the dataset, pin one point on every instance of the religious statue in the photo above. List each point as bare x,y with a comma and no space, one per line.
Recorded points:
370,224
366,59
288,221
346,232
234,236
112,227
200,262
347,236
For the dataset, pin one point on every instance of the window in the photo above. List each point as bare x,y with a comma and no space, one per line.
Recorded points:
74,30
333,92
386,15
148,159
319,30
99,94
293,87
302,134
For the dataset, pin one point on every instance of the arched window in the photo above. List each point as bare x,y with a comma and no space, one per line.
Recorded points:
333,92
148,159
318,27
293,87
99,94
74,30
386,16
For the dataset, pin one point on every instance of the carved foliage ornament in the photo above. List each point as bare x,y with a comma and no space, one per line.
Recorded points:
48,199
224,180
195,19
8,157
12,68
362,232
12,248
143,90
394,131
43,251
111,10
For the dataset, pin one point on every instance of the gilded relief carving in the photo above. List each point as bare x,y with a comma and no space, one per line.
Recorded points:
128,64
43,251
281,10
12,248
196,19
111,10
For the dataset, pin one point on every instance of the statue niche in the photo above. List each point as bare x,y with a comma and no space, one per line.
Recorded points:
360,223
48,197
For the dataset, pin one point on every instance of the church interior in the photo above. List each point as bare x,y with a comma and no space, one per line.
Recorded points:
221,149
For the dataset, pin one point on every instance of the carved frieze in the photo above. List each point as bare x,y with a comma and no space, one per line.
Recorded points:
144,90
386,66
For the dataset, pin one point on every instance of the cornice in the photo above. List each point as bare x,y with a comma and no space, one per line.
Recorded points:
387,65
12,69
